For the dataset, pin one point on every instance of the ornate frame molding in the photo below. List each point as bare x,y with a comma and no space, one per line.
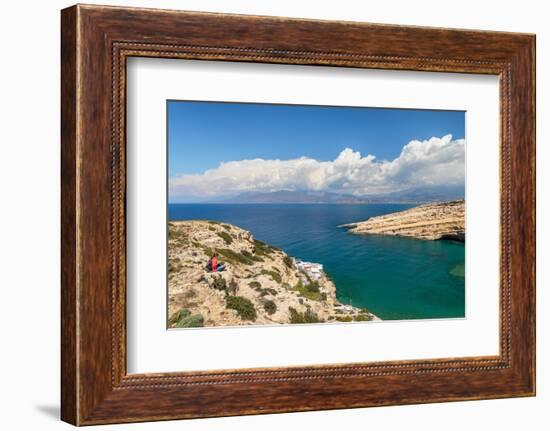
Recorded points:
96,41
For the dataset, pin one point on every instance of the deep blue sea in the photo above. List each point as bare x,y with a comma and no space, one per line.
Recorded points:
395,278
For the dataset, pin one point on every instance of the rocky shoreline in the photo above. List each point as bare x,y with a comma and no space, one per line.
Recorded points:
442,220
260,284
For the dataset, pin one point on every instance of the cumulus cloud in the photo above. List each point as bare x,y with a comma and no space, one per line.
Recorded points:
436,161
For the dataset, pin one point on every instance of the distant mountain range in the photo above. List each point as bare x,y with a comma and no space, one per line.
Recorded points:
295,197
420,195
415,195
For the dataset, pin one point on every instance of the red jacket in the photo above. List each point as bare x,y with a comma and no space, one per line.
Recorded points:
214,263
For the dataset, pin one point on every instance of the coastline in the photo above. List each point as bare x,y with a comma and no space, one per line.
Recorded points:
434,221
379,272
260,285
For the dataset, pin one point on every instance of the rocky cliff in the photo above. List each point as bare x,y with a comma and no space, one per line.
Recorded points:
443,220
260,285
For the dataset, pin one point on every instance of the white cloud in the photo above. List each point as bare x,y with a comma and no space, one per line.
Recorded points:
437,161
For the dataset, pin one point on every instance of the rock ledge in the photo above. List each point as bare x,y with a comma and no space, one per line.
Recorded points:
442,220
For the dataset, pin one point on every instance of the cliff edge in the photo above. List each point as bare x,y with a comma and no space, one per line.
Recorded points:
260,284
442,220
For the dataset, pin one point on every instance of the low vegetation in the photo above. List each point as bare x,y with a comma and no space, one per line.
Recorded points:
243,306
263,249
251,256
259,282
310,290
220,283
228,239
306,317
184,319
255,284
270,307
234,257
207,250
266,291
193,321
363,318
275,276
176,236
178,315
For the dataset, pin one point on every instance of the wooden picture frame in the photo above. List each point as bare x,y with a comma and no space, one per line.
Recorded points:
95,43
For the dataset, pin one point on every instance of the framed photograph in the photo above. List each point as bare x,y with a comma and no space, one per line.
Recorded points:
324,214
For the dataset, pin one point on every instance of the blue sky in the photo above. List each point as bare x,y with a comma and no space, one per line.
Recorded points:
202,135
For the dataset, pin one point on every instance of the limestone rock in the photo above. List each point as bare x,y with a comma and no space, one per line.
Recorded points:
442,220
255,271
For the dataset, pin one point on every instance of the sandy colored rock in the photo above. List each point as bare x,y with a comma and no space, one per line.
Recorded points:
254,270
443,220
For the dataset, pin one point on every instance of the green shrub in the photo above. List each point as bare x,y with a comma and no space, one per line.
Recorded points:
179,315
208,251
274,275
243,306
287,260
270,307
310,291
176,235
307,317
363,318
234,257
266,291
313,287
251,256
263,249
255,284
344,318
228,239
219,283
193,321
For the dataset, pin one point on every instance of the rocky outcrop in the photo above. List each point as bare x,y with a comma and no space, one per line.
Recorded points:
443,220
260,284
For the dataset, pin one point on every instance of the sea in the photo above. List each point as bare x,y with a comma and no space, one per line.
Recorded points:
394,278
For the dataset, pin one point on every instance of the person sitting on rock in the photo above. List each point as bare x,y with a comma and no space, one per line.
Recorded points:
213,265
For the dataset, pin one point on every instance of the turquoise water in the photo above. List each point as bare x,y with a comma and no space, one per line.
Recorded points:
395,278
